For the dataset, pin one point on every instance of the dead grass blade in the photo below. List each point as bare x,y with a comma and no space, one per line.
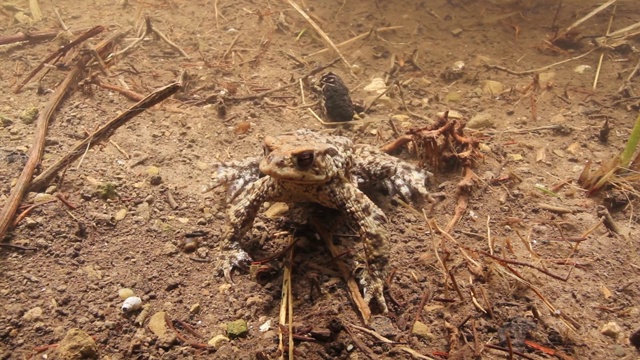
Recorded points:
320,32
587,17
352,286
355,38
285,319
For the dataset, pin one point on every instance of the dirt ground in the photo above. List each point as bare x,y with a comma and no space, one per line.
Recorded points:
71,261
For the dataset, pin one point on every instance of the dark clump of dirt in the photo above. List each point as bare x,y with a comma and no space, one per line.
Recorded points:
511,259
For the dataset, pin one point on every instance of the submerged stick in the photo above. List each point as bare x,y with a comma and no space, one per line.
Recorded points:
60,52
34,36
104,132
322,34
35,156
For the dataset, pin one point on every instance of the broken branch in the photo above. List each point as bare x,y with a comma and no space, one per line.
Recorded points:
104,132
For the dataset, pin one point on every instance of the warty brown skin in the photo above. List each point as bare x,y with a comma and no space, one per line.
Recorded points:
306,166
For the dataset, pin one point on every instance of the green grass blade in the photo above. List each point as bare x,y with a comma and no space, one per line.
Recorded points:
632,144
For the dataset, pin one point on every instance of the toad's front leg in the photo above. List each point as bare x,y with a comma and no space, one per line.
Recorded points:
241,216
371,227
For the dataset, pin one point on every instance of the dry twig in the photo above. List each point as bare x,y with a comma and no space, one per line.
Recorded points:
35,36
149,29
61,52
24,181
104,132
538,70
355,38
322,34
263,94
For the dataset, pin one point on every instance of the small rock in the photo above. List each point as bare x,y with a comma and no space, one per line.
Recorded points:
153,170
121,214
28,116
611,329
194,309
169,249
217,341
545,77
144,211
5,121
481,121
377,85
51,189
33,314
422,330
202,165
266,326
237,328
492,88
155,180
149,199
581,68
92,272
125,293
158,324
77,345
31,223
452,96
618,351
383,326
400,117
190,244
254,300
42,197
456,32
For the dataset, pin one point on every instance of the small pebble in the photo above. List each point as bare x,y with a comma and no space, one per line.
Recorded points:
125,293
611,329
237,328
194,309
218,341
422,330
155,180
191,244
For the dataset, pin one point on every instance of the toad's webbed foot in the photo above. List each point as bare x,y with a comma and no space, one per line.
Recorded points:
373,288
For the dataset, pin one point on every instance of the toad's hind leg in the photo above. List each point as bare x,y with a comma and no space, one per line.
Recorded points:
241,217
371,227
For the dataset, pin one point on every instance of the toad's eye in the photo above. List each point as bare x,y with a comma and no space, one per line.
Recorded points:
304,160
